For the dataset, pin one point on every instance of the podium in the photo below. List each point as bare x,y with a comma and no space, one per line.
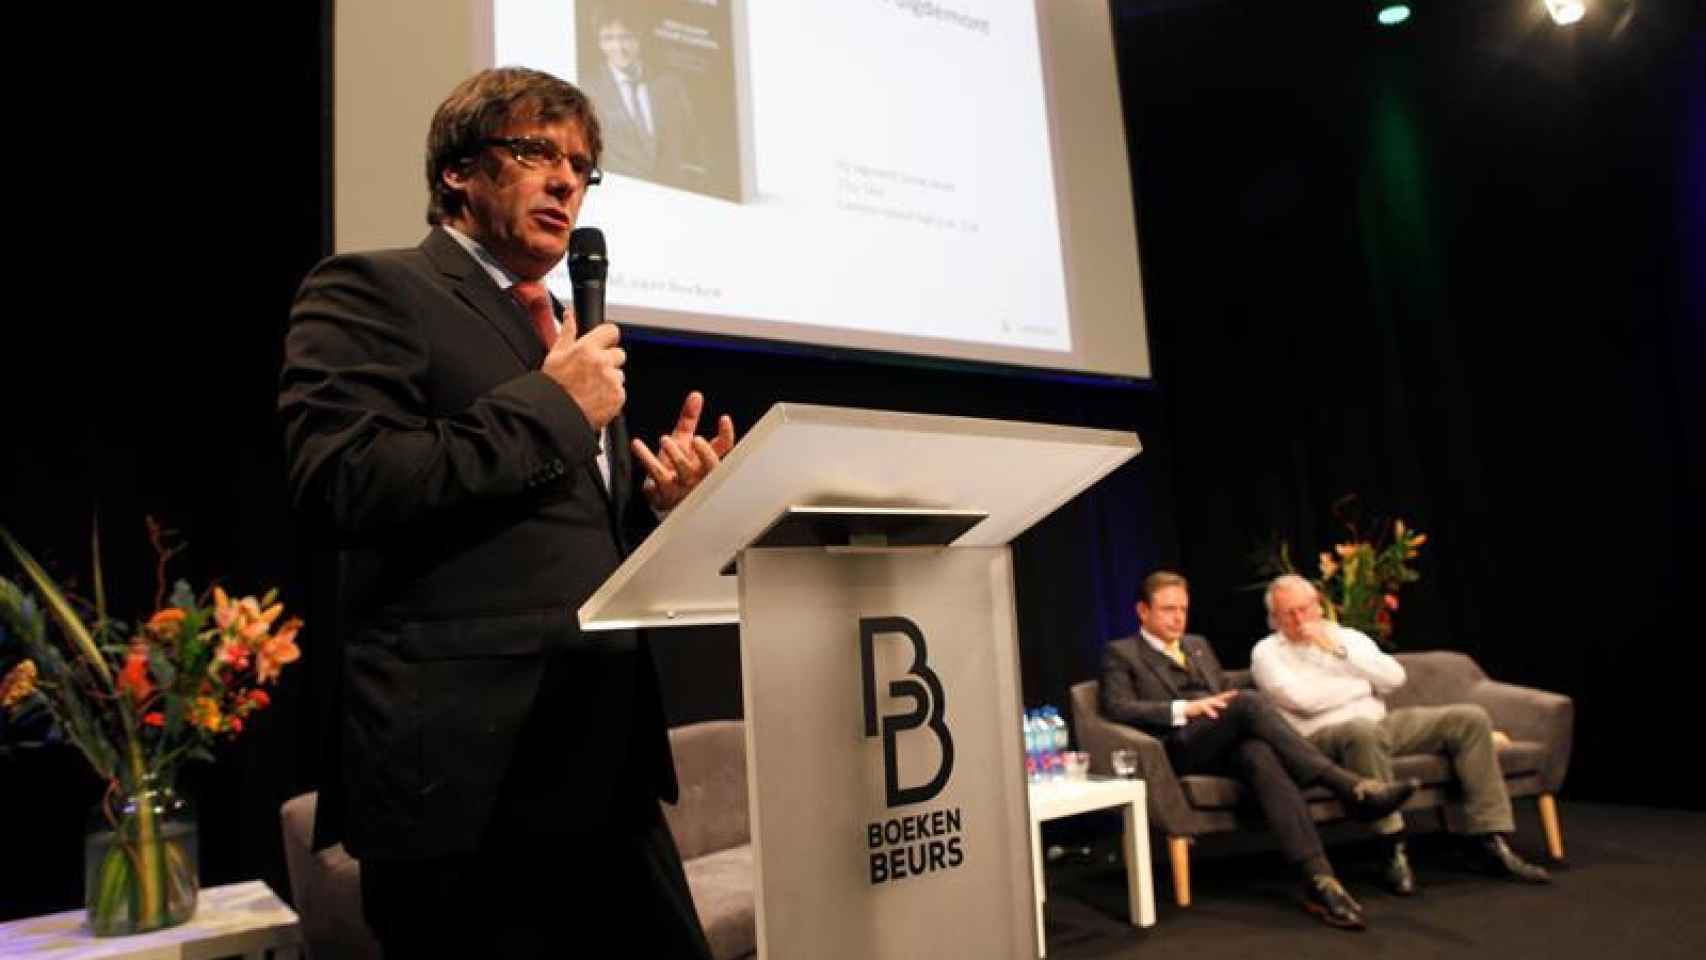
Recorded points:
865,556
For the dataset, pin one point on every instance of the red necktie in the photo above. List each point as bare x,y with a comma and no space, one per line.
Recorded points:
534,298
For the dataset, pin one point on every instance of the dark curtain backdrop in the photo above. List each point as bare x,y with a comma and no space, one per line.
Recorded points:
1453,269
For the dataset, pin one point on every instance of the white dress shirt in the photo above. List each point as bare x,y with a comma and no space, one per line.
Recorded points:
1315,688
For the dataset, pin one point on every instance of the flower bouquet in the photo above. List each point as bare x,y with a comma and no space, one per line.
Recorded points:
1361,576
137,702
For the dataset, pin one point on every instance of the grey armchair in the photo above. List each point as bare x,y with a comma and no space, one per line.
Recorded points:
713,834
1541,726
325,888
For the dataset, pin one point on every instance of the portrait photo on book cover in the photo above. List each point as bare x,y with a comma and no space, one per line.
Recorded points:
661,74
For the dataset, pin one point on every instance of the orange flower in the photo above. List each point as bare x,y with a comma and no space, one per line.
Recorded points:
1411,544
224,611
276,651
204,712
244,617
133,679
20,682
165,622
154,719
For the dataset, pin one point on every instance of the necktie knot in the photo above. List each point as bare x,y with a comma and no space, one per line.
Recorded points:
536,300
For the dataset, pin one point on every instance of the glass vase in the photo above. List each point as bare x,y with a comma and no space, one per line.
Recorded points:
140,870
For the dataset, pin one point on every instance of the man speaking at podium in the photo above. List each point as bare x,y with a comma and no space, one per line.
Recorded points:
462,440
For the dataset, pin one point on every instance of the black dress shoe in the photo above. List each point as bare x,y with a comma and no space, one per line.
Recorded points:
1326,898
1373,799
1493,855
1400,879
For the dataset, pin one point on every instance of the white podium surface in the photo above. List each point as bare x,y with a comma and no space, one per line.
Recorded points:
813,456
234,920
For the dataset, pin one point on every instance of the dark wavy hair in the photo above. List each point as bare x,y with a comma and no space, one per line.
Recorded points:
482,106
1158,581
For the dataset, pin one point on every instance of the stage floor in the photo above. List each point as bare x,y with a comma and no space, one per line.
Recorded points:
1632,886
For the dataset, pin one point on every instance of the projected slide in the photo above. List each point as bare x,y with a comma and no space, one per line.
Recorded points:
875,167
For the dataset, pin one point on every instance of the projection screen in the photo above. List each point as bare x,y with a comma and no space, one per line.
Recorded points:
939,179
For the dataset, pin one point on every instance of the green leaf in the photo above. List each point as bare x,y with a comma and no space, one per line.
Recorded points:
112,888
174,716
61,608
100,581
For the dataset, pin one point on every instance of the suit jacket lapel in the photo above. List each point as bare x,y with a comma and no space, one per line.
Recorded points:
471,284
1202,660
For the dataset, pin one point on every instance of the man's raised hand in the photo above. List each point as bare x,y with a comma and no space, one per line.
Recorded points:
683,458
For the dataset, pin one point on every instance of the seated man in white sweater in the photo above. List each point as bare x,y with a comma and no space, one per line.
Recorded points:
1328,681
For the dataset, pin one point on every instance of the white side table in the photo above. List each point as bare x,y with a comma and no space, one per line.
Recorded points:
1064,798
236,920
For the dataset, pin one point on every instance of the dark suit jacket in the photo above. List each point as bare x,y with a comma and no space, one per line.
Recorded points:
1139,683
674,155
461,487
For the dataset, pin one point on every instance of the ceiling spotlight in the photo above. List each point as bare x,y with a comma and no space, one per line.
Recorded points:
1565,12
1392,14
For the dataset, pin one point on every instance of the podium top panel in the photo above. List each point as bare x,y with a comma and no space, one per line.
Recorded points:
801,455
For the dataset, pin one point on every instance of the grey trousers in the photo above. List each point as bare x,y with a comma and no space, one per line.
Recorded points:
1461,731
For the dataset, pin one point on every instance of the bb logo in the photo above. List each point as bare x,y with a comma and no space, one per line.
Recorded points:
923,688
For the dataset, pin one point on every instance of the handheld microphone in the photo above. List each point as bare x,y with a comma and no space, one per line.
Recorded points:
587,269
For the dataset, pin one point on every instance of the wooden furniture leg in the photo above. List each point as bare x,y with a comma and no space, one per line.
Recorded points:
1179,852
1549,822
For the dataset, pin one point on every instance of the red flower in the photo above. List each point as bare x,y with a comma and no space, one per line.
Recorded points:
259,699
232,653
154,719
133,679
1392,601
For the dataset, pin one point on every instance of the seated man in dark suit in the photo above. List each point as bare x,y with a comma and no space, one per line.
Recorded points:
1170,686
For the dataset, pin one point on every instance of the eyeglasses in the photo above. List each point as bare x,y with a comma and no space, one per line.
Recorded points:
536,153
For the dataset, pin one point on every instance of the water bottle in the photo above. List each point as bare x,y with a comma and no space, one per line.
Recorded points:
1033,748
1058,742
1045,746
1030,748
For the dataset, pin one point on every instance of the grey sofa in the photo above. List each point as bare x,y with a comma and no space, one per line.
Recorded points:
1540,724
709,825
